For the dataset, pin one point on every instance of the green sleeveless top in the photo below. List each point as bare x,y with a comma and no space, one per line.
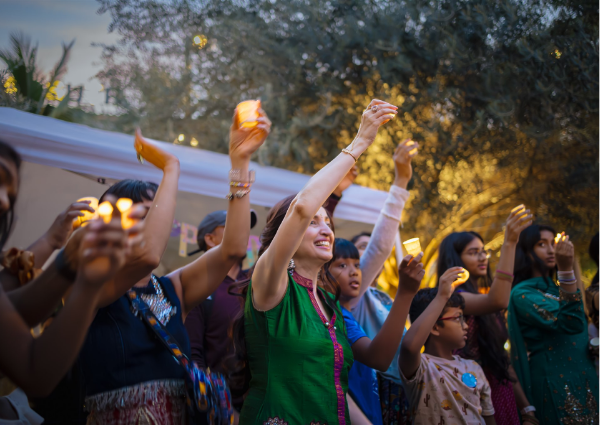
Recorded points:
298,360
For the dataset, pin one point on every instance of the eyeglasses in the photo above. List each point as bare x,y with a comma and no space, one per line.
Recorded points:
458,319
486,252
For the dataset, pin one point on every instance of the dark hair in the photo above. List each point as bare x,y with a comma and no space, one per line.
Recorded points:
355,238
490,329
7,219
525,258
344,249
593,251
425,296
136,190
236,365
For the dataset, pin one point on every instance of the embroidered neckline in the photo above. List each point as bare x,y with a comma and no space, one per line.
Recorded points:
338,351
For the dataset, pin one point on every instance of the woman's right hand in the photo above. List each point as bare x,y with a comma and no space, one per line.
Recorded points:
243,142
517,221
565,254
445,287
150,152
373,117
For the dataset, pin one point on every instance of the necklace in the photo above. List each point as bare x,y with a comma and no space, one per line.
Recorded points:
159,304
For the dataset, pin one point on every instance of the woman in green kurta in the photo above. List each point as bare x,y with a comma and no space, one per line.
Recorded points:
548,332
294,332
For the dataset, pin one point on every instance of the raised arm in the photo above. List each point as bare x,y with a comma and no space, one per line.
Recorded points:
498,296
416,336
385,230
159,221
196,281
269,279
37,364
379,352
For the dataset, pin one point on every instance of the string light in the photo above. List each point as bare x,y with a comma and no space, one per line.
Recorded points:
193,142
200,41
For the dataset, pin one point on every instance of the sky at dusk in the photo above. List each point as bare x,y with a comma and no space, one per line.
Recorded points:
51,22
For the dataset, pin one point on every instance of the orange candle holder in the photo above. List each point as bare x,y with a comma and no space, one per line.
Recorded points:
248,114
87,216
412,246
462,278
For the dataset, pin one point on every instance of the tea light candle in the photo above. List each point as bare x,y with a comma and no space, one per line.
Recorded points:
105,210
412,246
124,206
247,112
87,216
462,278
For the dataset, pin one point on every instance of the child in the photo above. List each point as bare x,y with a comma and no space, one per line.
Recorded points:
362,379
442,388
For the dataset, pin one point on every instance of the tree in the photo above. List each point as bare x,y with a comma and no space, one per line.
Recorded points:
502,95
26,86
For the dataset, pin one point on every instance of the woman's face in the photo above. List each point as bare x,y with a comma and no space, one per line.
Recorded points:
474,257
348,275
317,244
361,244
9,184
544,249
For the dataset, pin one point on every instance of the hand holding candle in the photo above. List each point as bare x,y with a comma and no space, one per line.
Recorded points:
248,113
463,276
412,246
83,220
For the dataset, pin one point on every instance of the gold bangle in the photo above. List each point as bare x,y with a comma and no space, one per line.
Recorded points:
350,153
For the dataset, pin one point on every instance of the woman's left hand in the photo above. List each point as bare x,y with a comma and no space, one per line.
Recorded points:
156,156
62,227
565,254
243,142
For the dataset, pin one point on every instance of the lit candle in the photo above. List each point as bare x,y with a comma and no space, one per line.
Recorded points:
124,206
518,208
559,237
412,246
87,216
247,112
462,278
105,210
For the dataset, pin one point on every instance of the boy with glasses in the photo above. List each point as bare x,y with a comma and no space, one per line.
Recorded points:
442,388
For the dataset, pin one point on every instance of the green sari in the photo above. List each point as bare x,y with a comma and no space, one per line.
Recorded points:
299,361
549,351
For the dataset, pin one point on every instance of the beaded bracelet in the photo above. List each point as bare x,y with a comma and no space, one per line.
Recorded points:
240,184
350,153
235,175
239,194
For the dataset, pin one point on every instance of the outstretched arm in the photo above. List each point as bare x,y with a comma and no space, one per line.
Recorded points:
415,338
196,281
497,298
159,221
269,279
385,230
37,364
379,352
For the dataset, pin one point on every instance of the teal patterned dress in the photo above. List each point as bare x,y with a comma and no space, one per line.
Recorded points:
549,351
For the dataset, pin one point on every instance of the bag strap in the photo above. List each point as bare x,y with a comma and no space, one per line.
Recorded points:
209,391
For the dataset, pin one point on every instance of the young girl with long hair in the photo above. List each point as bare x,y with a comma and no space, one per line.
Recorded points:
295,338
548,331
487,332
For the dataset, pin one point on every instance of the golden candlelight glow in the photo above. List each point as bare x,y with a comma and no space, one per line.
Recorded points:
193,142
87,216
181,138
124,206
105,210
200,41
412,246
462,278
518,208
560,237
247,112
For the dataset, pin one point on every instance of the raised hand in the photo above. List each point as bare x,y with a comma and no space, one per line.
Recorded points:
243,141
347,181
445,287
517,221
150,152
377,113
565,254
411,273
403,156
62,227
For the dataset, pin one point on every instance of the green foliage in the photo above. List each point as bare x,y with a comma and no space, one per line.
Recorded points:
501,94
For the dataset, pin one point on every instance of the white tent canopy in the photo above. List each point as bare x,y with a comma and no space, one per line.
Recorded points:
50,146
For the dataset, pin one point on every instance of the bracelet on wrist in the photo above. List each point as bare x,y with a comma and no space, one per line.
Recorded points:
239,194
504,276
236,175
527,409
350,153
